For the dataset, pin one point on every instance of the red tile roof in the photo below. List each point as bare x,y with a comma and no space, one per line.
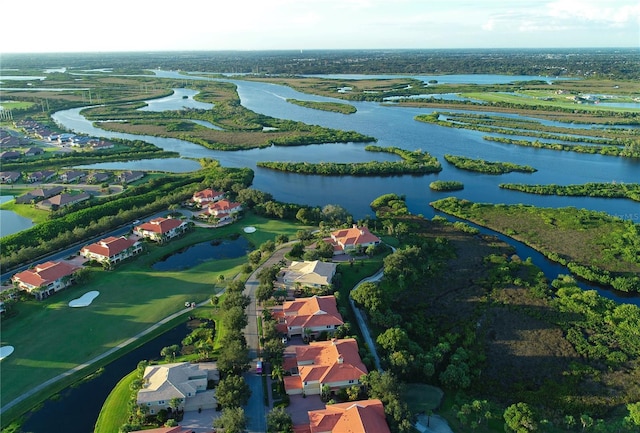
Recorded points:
207,194
110,246
312,312
330,361
366,416
354,236
160,225
45,273
223,206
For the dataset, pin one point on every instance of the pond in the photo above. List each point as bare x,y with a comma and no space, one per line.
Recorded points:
179,100
11,221
199,253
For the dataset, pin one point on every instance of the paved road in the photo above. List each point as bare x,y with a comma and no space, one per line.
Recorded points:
75,248
256,410
362,324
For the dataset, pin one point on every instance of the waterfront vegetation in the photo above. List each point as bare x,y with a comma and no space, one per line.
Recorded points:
241,128
594,245
335,107
593,189
446,185
124,150
487,167
496,334
413,162
614,142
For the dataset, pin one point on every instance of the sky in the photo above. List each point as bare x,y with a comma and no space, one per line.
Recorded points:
204,25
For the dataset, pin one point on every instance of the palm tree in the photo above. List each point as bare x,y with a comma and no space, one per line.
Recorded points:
277,374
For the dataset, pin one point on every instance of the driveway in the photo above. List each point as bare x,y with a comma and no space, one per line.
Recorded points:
199,422
299,407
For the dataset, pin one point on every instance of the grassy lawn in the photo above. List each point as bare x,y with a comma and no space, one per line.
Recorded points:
422,398
25,210
50,338
115,409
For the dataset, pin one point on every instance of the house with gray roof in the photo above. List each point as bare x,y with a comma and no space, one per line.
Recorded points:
180,380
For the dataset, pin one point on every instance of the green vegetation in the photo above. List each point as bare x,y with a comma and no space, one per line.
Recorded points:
488,167
335,107
496,337
614,142
607,190
594,245
242,128
85,220
446,185
115,409
414,162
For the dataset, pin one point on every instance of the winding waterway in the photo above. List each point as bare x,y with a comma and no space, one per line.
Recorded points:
392,126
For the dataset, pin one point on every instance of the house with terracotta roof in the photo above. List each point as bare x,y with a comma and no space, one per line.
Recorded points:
62,200
335,363
352,239
309,316
44,279
161,229
207,195
181,380
224,209
315,274
112,250
365,416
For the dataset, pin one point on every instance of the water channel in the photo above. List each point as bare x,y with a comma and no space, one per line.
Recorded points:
78,408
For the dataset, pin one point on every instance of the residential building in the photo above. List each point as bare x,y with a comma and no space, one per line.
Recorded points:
352,239
181,380
72,176
161,229
41,176
365,416
10,154
130,176
102,145
33,151
95,178
45,279
315,274
9,176
335,363
309,316
224,209
112,249
62,200
38,194
207,195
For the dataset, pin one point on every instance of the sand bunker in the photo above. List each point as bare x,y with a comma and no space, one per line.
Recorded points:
249,229
84,300
5,351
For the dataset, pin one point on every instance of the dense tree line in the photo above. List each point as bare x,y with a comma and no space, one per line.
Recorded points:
592,189
631,150
487,167
80,225
614,265
618,63
446,185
